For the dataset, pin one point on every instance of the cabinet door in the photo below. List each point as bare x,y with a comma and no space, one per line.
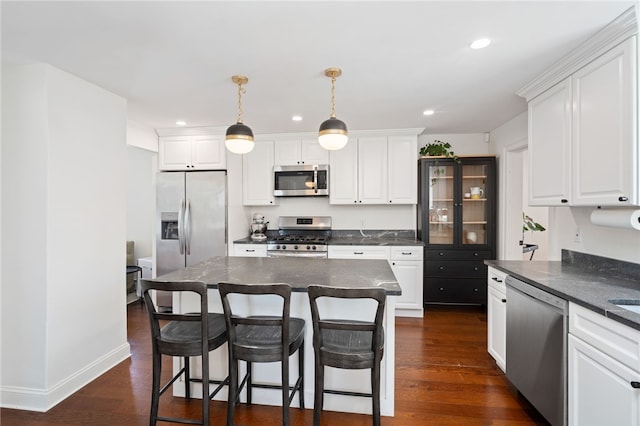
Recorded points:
409,276
372,170
174,153
402,182
343,174
312,153
208,153
438,192
257,175
549,146
478,201
497,325
600,392
604,142
287,152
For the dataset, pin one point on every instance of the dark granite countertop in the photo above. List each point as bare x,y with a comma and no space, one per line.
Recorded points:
298,272
355,238
586,280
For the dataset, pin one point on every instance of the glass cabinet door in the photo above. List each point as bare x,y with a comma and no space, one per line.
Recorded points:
475,205
441,204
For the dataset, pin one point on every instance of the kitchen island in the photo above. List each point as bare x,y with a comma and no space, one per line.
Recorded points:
300,273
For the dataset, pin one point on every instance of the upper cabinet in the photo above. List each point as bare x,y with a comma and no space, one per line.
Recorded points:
583,135
257,175
374,170
202,152
300,151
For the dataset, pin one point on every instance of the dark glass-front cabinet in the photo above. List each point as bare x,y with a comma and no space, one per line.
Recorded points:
457,222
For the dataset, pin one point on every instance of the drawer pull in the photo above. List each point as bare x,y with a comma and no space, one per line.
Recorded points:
358,252
503,300
441,288
496,279
406,253
441,254
564,200
635,385
250,250
475,253
441,268
623,199
475,268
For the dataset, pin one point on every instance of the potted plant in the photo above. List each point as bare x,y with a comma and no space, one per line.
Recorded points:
439,149
529,225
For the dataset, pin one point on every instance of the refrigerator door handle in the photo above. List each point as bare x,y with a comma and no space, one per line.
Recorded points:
187,227
181,226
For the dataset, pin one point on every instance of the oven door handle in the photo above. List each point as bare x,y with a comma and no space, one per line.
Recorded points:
311,255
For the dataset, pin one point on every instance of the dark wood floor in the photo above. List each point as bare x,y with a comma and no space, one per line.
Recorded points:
444,376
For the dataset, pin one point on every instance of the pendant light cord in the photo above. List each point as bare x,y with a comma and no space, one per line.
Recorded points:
240,92
333,97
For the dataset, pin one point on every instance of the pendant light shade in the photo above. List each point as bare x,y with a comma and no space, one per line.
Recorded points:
239,139
333,132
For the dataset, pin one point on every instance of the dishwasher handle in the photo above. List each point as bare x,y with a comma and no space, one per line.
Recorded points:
538,294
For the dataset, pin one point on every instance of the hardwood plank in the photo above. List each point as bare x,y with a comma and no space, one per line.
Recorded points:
444,376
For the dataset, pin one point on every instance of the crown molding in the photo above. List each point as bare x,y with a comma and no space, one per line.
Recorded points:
614,33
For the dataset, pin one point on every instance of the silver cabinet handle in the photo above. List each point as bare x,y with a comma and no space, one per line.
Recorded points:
181,226
187,227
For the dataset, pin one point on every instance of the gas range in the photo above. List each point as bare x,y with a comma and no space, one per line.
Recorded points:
303,236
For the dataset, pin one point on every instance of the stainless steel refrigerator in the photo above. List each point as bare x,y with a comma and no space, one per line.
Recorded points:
191,220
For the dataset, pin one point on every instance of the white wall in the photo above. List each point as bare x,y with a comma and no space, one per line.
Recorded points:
142,166
461,143
63,240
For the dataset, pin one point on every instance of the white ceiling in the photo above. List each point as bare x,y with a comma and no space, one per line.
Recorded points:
174,59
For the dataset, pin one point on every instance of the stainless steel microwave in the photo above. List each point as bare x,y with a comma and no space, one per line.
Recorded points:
301,181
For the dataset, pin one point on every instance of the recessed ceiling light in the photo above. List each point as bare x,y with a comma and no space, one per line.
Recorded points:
428,112
481,43
181,123
297,118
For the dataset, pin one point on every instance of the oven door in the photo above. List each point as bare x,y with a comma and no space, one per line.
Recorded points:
308,255
301,181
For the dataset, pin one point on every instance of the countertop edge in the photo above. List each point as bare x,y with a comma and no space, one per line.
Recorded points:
603,307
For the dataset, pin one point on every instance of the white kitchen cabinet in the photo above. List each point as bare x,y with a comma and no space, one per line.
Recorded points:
204,152
407,266
359,252
257,175
603,370
250,250
550,146
343,174
497,317
295,151
374,170
605,142
583,137
402,172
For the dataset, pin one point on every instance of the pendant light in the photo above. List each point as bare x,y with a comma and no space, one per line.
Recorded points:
239,138
333,133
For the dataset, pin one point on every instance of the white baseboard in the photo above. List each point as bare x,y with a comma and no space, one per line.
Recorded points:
44,399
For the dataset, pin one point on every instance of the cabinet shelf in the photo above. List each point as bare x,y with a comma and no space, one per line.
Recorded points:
474,177
475,222
473,199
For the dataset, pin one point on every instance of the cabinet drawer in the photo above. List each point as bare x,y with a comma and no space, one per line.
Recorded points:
615,339
358,252
497,279
447,290
407,253
455,268
458,254
250,250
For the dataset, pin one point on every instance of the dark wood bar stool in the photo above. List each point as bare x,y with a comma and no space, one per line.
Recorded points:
263,339
347,344
185,335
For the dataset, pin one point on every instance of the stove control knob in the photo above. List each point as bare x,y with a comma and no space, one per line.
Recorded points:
278,247
284,247
295,247
308,247
313,248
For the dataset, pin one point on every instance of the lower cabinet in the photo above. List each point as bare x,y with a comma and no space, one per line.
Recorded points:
497,317
455,276
406,264
603,370
250,250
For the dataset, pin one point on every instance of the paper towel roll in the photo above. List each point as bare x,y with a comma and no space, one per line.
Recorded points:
627,219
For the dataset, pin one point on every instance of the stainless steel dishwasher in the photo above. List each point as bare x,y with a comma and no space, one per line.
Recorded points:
537,348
